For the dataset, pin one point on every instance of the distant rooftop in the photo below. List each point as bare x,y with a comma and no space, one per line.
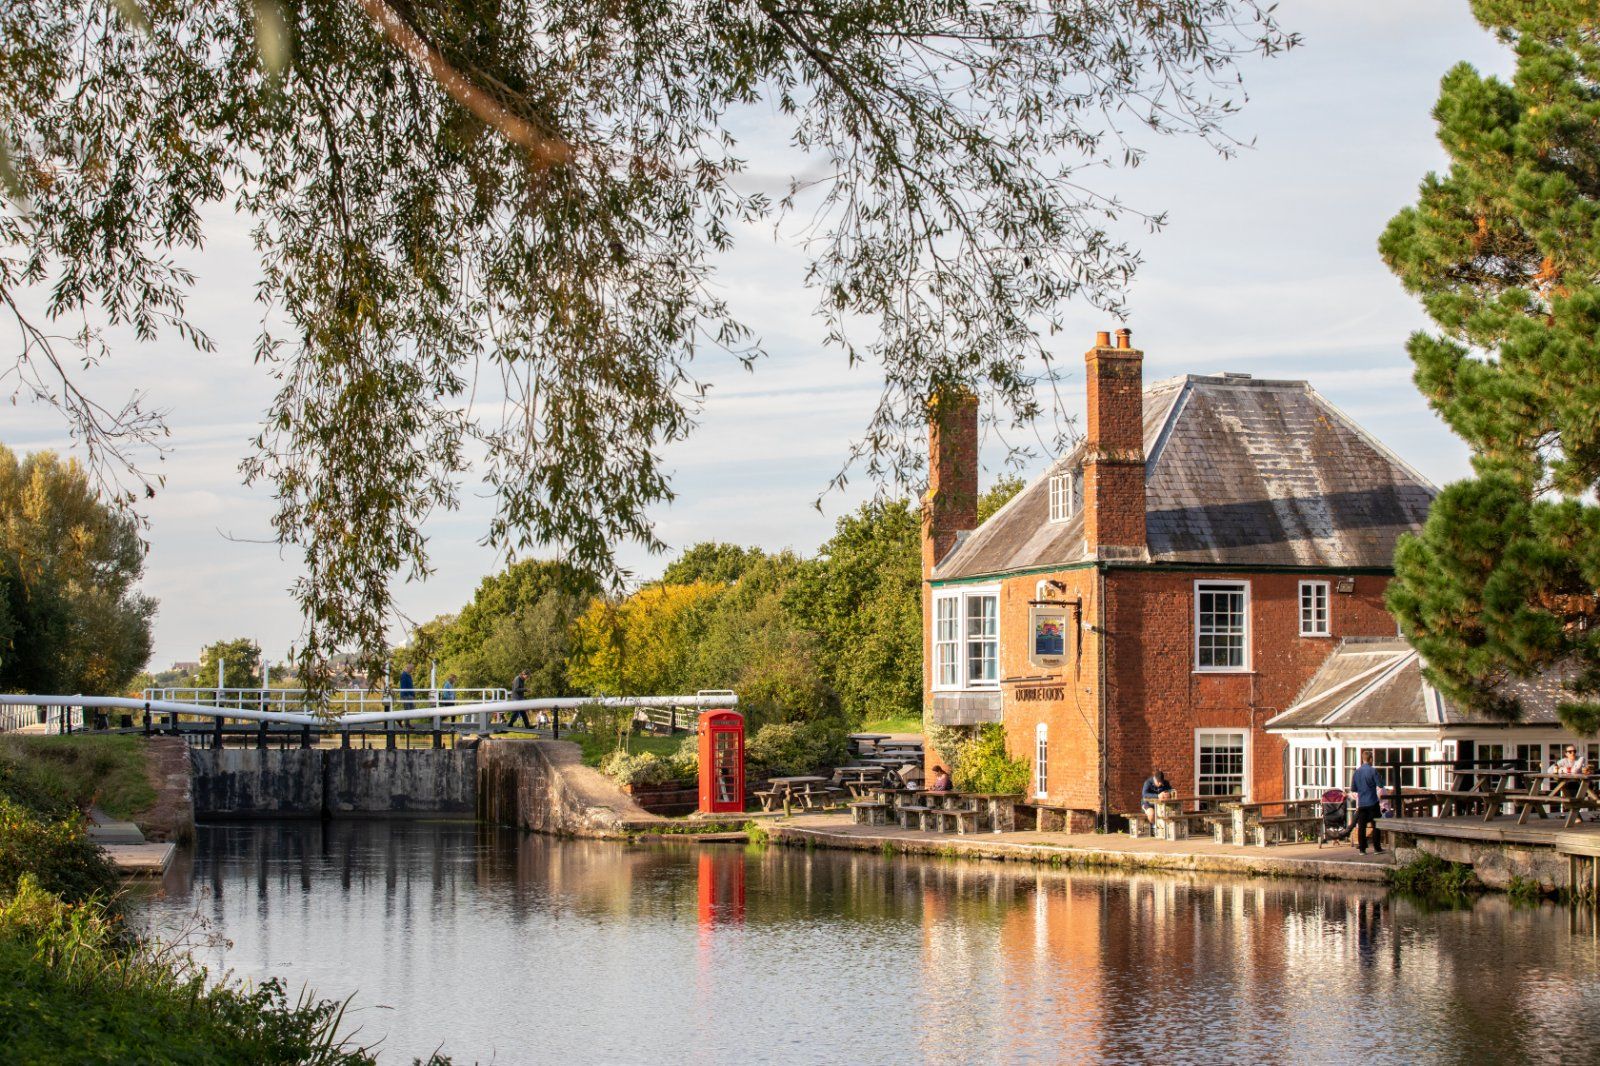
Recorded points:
1238,471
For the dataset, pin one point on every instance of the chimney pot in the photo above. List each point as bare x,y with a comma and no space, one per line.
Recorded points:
1124,338
1102,339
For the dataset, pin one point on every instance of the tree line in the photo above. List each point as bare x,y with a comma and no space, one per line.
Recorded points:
834,636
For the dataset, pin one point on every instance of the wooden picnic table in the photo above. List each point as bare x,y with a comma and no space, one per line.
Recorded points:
1297,813
1576,792
802,787
1172,819
858,778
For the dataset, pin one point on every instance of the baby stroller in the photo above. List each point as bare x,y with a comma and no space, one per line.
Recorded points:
1336,823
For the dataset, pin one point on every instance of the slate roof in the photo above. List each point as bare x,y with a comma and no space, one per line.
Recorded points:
1238,471
1374,683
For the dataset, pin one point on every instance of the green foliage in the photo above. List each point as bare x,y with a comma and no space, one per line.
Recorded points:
712,561
862,596
71,619
979,761
786,749
998,495
56,852
641,645
1428,875
1524,891
1504,252
74,987
54,775
241,664
759,837
539,191
645,768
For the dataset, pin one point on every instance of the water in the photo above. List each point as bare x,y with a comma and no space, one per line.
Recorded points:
505,948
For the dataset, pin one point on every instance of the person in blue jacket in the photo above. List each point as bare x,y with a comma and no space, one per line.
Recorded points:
1155,786
1365,785
408,691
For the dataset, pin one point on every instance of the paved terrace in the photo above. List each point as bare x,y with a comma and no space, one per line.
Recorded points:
1334,862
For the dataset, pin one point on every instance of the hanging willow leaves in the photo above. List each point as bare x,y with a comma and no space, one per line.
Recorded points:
540,191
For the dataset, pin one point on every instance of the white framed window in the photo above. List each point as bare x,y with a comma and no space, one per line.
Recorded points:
1221,626
1312,771
1314,609
983,639
946,641
1041,760
1219,762
1066,495
966,638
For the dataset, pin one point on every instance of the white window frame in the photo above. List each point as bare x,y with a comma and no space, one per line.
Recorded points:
1244,767
1247,633
964,642
1041,760
1066,495
1325,590
946,642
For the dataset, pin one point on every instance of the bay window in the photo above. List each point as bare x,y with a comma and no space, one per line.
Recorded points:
966,638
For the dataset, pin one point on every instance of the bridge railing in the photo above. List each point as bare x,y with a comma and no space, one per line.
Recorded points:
357,712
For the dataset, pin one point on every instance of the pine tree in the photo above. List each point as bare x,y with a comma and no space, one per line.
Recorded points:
1504,252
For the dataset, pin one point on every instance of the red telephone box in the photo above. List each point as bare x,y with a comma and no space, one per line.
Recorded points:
721,762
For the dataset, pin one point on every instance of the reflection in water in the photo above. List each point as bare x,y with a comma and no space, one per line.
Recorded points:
518,949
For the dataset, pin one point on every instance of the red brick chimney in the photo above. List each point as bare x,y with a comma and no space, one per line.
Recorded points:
950,506
1113,467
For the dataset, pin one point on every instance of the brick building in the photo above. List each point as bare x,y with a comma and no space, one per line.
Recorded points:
1163,590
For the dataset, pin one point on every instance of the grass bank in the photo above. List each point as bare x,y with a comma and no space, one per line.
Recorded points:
76,984
78,772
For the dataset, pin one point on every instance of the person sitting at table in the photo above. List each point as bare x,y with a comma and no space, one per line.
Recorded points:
941,780
1571,764
1155,788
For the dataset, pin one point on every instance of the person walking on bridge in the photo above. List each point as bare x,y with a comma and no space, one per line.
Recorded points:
519,691
408,690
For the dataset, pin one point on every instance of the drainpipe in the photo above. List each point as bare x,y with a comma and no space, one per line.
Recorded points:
1105,783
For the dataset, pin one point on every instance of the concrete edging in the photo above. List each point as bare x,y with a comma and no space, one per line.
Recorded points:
1000,850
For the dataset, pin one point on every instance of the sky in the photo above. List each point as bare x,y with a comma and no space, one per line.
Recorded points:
1267,265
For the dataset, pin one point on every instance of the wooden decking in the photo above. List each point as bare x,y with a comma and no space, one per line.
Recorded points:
1581,839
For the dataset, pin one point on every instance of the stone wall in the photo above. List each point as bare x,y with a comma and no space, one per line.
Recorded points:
324,782
543,786
1494,862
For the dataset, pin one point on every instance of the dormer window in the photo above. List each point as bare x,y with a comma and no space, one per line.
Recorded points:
1066,495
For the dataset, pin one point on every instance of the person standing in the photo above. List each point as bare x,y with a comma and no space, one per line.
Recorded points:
447,694
408,690
1365,785
519,691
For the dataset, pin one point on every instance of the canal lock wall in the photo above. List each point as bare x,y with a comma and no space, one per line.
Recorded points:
333,782
543,786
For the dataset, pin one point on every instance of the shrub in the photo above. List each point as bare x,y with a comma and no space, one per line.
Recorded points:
784,749
686,760
1429,875
979,761
57,852
645,768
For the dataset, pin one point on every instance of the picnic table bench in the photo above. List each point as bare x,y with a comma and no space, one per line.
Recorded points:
1575,793
1173,822
1247,821
810,792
